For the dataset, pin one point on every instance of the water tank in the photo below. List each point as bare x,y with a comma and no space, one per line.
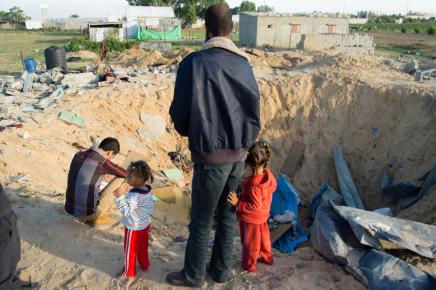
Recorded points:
55,57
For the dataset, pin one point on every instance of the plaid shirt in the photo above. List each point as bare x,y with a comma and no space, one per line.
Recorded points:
86,173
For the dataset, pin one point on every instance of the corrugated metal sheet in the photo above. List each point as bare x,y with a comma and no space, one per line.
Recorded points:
98,34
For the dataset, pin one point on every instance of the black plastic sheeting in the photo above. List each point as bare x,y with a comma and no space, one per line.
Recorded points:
346,183
409,192
334,237
370,227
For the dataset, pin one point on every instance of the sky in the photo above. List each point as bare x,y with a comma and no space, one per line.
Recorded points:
99,8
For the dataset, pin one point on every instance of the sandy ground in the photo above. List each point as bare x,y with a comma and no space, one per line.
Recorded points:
318,101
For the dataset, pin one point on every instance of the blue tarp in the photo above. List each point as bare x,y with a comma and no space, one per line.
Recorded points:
286,198
334,236
324,196
346,183
409,190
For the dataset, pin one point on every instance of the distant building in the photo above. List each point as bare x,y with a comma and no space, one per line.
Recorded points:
285,30
289,32
101,31
33,24
358,20
12,25
418,16
149,17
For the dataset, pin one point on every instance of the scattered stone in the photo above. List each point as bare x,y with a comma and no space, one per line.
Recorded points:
45,78
15,84
10,92
6,99
154,127
45,103
71,118
28,82
411,67
79,80
56,75
24,135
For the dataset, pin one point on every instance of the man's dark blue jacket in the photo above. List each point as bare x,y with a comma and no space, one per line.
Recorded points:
216,103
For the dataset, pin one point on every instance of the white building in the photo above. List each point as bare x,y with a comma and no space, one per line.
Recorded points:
156,18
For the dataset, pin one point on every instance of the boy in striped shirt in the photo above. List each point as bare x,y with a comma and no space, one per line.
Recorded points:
136,206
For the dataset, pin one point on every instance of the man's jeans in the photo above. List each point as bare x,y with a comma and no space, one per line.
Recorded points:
211,186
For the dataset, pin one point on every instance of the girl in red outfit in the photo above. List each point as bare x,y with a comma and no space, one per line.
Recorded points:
253,208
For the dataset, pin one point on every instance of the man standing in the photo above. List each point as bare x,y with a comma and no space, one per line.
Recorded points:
86,172
9,242
216,105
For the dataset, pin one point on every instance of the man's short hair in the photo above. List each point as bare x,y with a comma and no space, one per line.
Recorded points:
110,144
218,20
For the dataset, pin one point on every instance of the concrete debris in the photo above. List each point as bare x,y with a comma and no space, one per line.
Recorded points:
6,99
71,118
154,127
79,80
49,101
56,75
28,82
411,67
420,76
24,135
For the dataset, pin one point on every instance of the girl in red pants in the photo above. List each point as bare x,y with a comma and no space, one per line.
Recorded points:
253,208
136,207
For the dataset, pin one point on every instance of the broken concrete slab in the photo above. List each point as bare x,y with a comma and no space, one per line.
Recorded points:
79,80
154,127
45,78
411,67
71,118
28,82
49,101
56,75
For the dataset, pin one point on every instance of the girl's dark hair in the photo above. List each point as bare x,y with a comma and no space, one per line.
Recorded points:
142,169
258,154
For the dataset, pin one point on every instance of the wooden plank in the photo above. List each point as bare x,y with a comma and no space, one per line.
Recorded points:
276,233
294,160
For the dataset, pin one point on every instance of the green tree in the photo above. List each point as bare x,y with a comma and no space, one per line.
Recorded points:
189,12
15,15
204,4
265,8
149,2
235,10
3,16
247,6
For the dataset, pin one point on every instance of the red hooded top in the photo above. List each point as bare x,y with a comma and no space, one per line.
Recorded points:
256,196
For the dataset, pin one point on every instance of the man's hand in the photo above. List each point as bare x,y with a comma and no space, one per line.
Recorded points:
122,189
233,198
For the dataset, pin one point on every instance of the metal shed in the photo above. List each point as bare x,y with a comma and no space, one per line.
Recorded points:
101,31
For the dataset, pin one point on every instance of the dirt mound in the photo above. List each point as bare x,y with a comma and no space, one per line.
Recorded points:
375,111
139,58
130,57
306,116
83,54
180,54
